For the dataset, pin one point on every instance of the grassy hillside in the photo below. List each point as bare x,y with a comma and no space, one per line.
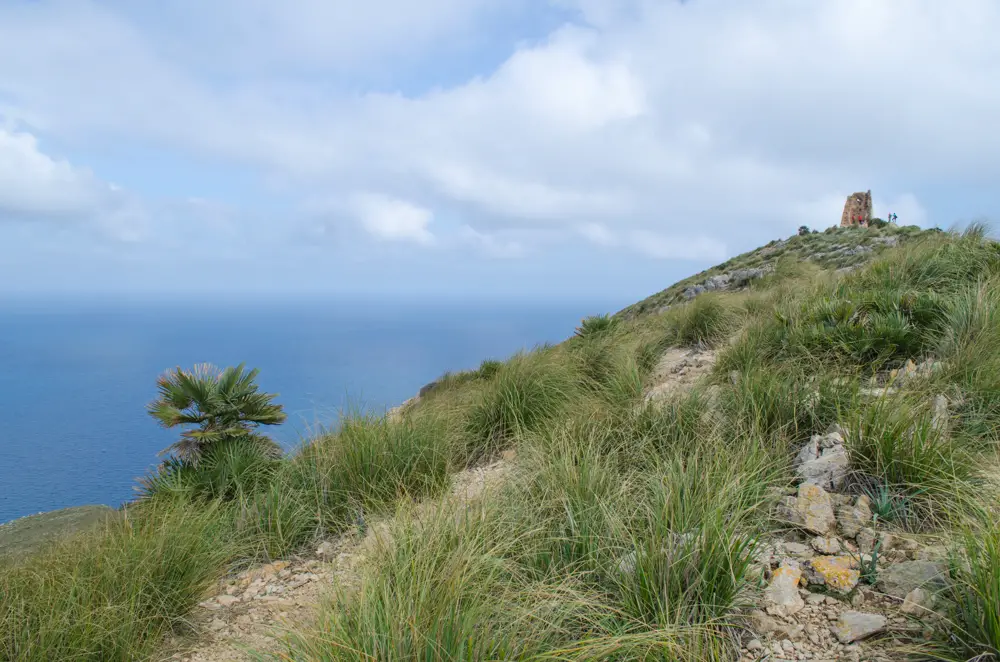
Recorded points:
628,529
831,249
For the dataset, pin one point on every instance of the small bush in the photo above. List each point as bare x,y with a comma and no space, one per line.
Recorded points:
489,368
528,392
706,320
899,445
596,325
367,465
229,469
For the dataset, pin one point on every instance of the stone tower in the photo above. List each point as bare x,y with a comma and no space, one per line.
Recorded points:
857,210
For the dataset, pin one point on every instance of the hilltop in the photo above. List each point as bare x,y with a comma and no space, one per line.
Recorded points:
836,248
789,456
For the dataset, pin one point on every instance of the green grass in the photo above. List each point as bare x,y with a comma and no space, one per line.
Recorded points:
627,530
975,589
112,594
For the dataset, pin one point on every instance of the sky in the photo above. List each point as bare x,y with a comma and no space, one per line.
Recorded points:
472,148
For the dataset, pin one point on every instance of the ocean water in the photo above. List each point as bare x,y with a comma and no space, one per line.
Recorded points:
75,378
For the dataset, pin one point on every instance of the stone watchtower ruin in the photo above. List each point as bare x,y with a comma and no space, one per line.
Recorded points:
857,210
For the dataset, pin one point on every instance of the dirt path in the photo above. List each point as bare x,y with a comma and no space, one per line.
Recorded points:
251,610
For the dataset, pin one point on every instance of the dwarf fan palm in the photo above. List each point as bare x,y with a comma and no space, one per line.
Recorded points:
222,404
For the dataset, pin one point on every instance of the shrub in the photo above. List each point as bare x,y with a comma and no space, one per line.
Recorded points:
706,319
367,465
898,445
223,404
489,368
596,325
529,391
228,469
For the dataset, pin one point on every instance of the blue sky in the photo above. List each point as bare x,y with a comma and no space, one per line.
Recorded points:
517,148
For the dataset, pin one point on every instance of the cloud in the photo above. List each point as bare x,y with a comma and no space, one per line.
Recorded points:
37,187
394,220
662,246
492,245
667,130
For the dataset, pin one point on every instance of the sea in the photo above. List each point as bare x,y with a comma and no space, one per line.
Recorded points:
75,377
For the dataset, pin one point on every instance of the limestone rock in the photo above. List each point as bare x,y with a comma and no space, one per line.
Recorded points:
838,573
782,594
825,545
866,540
852,519
797,550
762,623
898,580
823,460
227,600
813,504
939,413
855,625
918,602
754,645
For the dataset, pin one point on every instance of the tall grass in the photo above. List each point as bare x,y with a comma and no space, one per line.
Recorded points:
896,444
612,543
113,593
975,589
528,392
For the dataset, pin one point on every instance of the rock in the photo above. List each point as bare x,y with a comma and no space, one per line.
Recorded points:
898,580
823,460
825,545
838,573
509,455
918,602
217,624
762,623
785,510
866,540
939,413
782,594
326,550
227,600
813,504
855,625
815,599
797,549
754,645
851,519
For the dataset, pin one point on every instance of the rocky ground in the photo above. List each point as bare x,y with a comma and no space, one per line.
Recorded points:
838,586
835,584
252,609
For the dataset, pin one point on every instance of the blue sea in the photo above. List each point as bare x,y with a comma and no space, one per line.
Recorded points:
75,378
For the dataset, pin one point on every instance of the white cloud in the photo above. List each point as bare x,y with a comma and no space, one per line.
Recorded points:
37,187
492,245
394,220
668,129
599,234
674,247
34,184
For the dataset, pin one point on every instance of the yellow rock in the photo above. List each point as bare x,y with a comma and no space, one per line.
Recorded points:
839,573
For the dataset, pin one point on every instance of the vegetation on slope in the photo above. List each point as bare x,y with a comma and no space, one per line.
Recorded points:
629,530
